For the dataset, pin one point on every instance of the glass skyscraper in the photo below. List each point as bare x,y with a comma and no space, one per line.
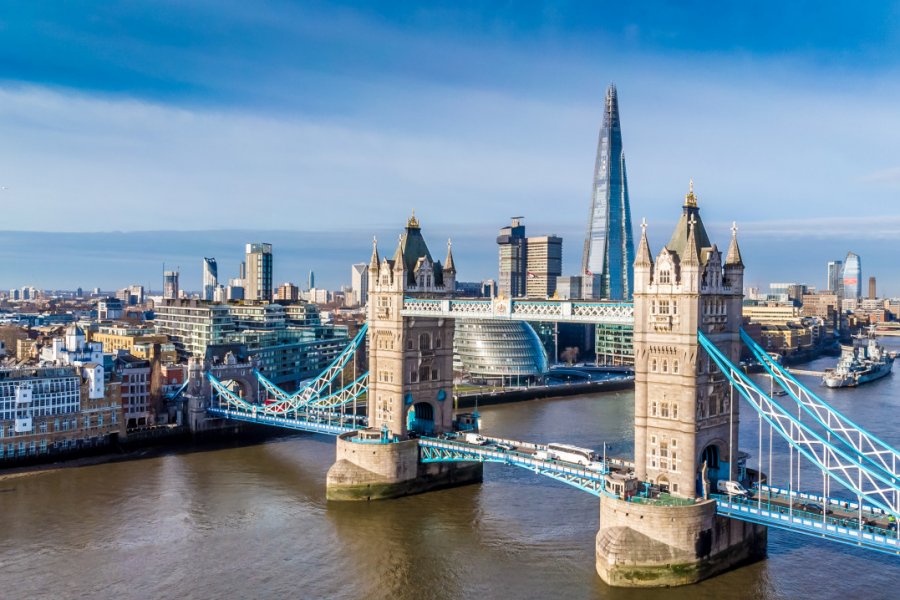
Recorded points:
852,276
608,246
835,275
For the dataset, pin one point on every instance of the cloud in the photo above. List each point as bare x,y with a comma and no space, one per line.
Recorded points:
889,175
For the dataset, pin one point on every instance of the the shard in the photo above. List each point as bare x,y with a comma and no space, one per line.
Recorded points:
608,256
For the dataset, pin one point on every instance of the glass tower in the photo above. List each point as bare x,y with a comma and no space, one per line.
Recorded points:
210,278
835,275
608,246
852,276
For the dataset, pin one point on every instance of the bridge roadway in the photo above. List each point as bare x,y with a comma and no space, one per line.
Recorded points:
841,521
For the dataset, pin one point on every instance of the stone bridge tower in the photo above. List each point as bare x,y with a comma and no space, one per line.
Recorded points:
410,381
410,360
685,426
683,417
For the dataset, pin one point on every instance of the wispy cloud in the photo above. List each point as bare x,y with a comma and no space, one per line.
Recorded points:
890,175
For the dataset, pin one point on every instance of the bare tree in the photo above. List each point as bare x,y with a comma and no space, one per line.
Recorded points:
570,354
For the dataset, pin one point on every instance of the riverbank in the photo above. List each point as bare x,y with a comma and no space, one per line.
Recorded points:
144,444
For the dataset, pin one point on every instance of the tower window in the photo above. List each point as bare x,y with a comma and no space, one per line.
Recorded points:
653,365
665,276
675,366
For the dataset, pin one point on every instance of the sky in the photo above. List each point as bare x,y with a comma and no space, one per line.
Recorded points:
317,125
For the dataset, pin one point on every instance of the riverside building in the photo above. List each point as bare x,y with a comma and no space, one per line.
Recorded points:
54,410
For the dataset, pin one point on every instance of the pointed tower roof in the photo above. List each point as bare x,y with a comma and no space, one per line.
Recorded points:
690,212
734,251
448,264
373,262
644,258
398,261
691,254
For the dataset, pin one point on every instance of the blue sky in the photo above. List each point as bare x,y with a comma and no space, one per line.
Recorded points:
339,118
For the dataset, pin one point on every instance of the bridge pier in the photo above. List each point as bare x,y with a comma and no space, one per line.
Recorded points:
367,469
659,545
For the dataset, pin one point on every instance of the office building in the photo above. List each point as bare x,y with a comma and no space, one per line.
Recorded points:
609,246
288,291
210,278
872,291
235,289
513,259
170,285
359,284
852,277
54,410
543,265
498,352
835,276
258,282
311,281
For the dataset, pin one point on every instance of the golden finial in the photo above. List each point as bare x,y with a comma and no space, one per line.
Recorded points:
690,199
413,222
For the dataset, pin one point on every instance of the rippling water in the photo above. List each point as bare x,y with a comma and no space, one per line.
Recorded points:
253,523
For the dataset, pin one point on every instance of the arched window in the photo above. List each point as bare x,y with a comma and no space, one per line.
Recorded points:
675,366
424,341
665,365
665,276
437,341
653,307
653,365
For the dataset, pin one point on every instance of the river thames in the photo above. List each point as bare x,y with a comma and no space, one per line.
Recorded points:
253,522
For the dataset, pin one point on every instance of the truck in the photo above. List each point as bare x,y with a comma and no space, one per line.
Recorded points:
474,438
732,488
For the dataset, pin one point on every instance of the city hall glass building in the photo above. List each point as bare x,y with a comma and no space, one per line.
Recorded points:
498,352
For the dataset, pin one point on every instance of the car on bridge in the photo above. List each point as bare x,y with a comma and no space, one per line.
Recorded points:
813,508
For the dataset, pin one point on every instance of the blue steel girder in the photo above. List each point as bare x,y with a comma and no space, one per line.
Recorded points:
879,454
324,428
797,522
432,450
849,471
313,389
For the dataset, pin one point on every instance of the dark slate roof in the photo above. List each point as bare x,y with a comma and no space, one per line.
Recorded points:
678,243
413,247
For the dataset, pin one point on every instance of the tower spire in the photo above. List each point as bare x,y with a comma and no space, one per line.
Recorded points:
691,257
644,258
734,251
448,264
690,199
374,260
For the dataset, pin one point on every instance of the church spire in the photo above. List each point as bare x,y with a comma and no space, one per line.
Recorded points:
734,251
690,200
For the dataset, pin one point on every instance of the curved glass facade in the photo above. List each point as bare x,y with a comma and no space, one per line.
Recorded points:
852,276
498,352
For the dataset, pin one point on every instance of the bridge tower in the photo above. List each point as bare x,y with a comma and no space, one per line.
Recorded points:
410,380
686,426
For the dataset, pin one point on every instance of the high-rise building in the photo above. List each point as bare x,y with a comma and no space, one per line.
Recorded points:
235,289
872,291
513,259
359,283
835,276
170,285
311,281
852,277
258,284
210,278
544,265
609,246
288,291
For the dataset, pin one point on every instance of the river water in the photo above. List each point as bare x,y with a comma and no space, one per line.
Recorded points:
253,522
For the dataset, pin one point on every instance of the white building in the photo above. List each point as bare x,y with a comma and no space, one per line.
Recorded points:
359,284
72,350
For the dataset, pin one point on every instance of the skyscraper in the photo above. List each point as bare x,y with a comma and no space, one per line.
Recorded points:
359,283
544,265
513,257
170,284
210,278
258,284
872,290
835,276
852,277
608,246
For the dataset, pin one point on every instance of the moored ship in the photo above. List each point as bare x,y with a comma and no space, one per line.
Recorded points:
864,361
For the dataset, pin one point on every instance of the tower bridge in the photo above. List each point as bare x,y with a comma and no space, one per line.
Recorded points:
663,518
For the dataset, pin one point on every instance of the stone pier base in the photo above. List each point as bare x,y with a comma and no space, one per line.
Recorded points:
652,545
372,471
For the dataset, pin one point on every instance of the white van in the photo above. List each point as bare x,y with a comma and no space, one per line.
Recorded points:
474,438
732,488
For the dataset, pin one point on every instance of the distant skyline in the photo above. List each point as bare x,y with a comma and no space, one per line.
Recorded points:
340,118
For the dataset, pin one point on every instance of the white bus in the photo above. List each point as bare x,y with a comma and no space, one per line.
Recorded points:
572,454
